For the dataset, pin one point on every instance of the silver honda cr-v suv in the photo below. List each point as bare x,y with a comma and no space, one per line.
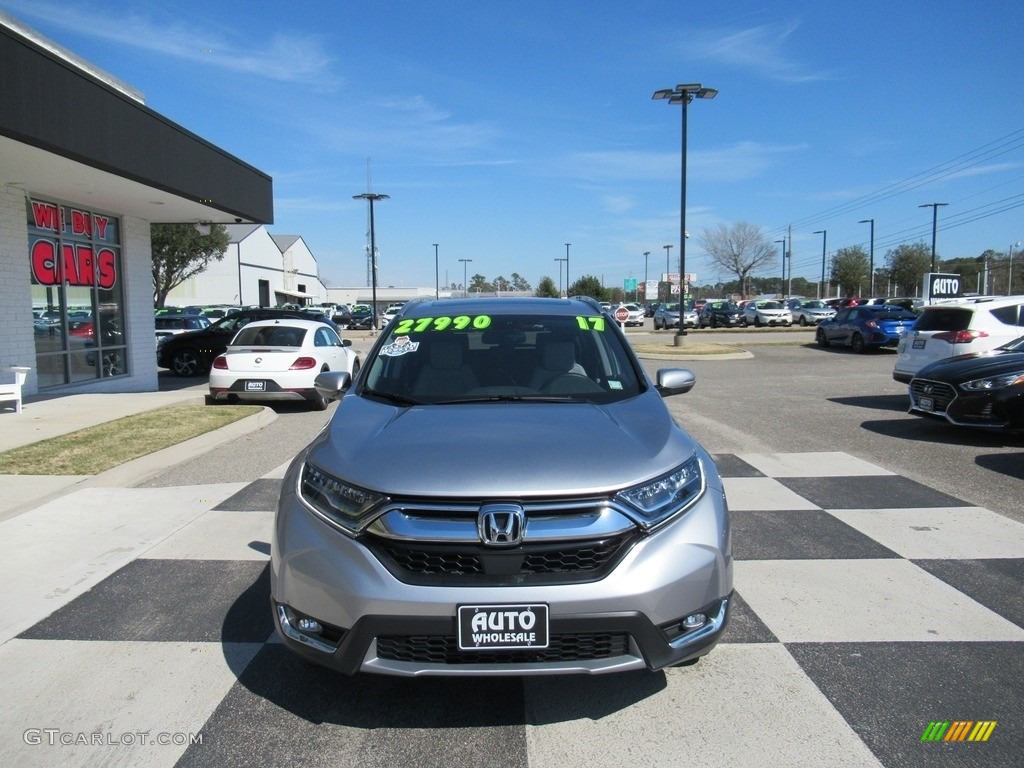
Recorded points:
502,490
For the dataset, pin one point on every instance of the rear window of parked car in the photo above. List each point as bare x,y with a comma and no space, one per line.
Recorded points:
274,336
945,319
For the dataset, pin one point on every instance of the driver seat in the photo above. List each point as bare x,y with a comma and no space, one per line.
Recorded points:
556,359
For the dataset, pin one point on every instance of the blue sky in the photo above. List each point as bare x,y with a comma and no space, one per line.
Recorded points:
502,131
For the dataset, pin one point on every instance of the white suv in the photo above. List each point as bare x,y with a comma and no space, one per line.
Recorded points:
964,327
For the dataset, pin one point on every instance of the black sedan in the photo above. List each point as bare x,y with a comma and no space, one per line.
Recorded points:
980,390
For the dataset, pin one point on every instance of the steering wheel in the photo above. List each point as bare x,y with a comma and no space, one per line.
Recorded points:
571,384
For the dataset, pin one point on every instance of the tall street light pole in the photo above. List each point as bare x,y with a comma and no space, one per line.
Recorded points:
560,262
824,238
935,220
372,197
782,285
567,267
668,270
871,266
1009,270
437,276
645,255
465,280
683,95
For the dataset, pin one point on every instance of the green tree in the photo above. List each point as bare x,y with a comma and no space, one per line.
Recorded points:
478,284
546,288
588,285
851,269
739,249
907,266
181,252
519,283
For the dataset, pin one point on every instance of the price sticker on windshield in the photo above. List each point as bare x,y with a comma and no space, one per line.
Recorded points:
457,323
590,323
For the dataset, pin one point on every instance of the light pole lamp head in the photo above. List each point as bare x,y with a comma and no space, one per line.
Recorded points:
685,92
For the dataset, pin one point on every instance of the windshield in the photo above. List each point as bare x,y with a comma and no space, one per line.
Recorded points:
1017,345
768,305
814,305
501,357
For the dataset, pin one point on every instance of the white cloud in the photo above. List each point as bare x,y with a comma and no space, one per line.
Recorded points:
738,162
281,57
761,49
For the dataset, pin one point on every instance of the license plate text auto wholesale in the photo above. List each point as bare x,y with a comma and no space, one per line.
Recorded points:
255,386
919,343
926,403
486,627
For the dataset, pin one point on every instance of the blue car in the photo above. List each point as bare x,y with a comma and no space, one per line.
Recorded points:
864,327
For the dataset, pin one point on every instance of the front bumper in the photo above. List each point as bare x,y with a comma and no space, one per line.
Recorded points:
373,622
995,410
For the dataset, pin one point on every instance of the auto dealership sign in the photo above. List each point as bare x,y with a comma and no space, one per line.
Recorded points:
938,285
66,246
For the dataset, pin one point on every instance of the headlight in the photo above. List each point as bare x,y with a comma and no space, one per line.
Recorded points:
994,382
346,505
659,500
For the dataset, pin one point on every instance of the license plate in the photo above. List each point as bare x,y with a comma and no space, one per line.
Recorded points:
919,343
926,403
255,386
490,627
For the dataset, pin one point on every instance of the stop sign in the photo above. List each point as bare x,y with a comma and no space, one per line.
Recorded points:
621,314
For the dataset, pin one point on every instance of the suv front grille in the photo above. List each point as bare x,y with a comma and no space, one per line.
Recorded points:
444,649
476,565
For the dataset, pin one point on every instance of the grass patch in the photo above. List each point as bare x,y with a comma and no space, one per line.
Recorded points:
96,449
689,348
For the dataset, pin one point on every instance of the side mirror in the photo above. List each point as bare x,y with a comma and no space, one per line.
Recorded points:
332,384
675,381
346,342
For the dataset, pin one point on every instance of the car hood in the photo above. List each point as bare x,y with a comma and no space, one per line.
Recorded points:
509,450
974,366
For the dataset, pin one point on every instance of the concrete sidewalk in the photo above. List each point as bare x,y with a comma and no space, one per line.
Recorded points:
42,419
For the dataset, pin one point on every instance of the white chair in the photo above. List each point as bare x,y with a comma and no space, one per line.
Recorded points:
9,392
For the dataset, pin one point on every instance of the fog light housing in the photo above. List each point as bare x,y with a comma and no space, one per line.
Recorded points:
309,625
694,621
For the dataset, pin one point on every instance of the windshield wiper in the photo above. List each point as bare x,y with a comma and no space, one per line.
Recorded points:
392,397
507,399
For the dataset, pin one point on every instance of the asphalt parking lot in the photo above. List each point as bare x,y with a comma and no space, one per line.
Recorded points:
795,396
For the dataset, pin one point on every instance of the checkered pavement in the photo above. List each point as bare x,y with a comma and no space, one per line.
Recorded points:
136,630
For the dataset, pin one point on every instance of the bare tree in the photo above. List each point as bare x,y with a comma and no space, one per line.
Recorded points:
739,250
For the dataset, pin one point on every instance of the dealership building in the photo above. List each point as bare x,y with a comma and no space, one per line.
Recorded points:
85,169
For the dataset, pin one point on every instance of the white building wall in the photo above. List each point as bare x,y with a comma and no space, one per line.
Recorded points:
17,342
218,284
300,268
250,258
137,260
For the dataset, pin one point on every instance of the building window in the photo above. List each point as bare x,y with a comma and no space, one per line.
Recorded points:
77,294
